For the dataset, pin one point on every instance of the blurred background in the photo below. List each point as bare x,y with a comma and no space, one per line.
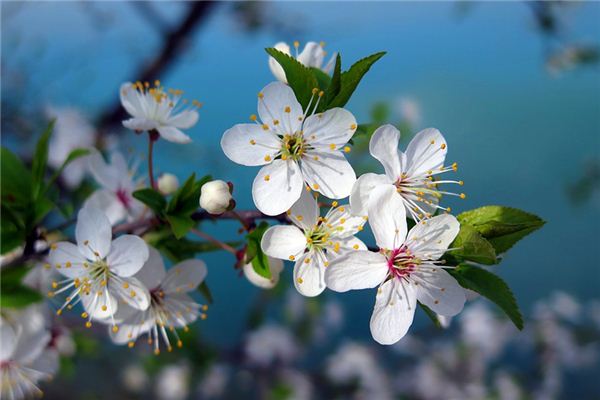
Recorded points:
515,89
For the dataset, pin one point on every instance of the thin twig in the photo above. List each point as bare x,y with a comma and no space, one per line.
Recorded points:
215,241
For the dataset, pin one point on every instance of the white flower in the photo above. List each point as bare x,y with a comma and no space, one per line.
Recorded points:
275,266
115,197
215,197
405,269
153,108
293,148
99,273
71,131
270,343
409,111
312,55
170,305
25,355
168,183
172,383
411,174
314,241
214,383
134,378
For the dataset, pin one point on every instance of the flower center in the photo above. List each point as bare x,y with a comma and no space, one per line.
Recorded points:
123,197
318,237
293,146
401,262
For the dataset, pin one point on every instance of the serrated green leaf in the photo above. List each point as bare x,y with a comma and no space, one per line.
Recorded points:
254,253
351,78
206,293
501,226
73,155
15,183
490,286
152,198
469,245
180,225
40,159
300,78
336,80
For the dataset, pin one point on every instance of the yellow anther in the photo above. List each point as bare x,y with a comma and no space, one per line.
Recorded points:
275,122
332,146
287,109
306,260
125,285
253,117
146,85
156,352
432,141
296,43
326,263
88,324
132,293
252,142
316,186
58,312
455,166
299,217
291,258
97,254
315,90
47,266
299,280
443,146
336,247
130,344
260,95
342,220
53,246
448,209
334,204
463,196
347,149
353,126
50,294
104,308
84,315
54,284
157,83
203,316
179,344
267,158
355,247
284,157
267,177
316,158
115,329
461,183
322,44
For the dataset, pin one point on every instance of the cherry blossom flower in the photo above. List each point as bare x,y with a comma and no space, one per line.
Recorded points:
170,305
25,355
215,197
311,56
406,269
269,344
71,131
115,197
412,174
158,109
99,273
293,149
314,241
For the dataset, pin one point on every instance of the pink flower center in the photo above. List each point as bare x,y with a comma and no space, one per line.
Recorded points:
123,197
401,263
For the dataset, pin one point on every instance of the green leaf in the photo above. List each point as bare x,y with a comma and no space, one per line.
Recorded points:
351,78
42,207
300,78
491,286
40,159
205,291
19,296
16,186
323,80
12,230
432,316
73,155
183,248
469,245
152,198
336,81
185,199
180,225
254,253
501,226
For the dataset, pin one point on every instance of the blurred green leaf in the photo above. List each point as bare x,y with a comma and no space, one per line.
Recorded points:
300,78
152,198
491,286
469,245
205,291
351,78
12,230
180,225
40,159
501,226
254,253
12,292
15,181
73,155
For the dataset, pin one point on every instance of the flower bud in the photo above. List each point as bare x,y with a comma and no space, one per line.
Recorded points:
275,265
215,197
168,183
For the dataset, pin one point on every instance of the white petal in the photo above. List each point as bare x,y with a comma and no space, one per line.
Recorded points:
283,241
276,69
93,233
356,270
9,340
384,147
275,266
185,305
104,174
438,290
343,222
393,312
361,191
140,124
277,186
128,253
135,294
99,306
153,272
312,55
387,217
184,120
130,100
276,98
185,276
330,174
305,211
47,363
350,244
172,134
425,152
237,144
333,127
430,238
309,274
106,201
69,257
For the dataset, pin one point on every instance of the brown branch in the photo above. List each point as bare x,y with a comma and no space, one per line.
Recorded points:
174,43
